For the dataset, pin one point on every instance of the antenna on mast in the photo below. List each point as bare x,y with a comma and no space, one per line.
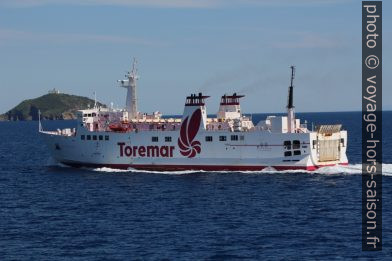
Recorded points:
95,100
290,106
292,74
134,69
290,96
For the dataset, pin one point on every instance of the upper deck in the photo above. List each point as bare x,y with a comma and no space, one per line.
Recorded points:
228,117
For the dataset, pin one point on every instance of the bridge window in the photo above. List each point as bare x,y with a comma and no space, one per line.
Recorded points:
297,152
287,153
314,143
168,139
209,138
222,138
342,141
242,137
94,137
234,137
82,137
154,139
88,137
296,144
100,137
106,137
287,145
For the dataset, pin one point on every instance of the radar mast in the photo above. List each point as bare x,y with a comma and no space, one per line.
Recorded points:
130,85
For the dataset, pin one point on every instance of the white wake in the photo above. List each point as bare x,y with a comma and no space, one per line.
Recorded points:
352,169
130,170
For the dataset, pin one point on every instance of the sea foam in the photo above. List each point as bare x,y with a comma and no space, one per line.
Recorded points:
351,169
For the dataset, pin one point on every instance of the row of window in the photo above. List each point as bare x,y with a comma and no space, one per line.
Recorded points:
94,114
292,148
224,138
156,139
289,153
296,144
94,137
207,138
89,115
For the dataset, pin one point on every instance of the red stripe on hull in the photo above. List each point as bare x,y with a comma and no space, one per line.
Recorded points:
191,167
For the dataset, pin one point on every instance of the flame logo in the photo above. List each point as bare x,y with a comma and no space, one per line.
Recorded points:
188,146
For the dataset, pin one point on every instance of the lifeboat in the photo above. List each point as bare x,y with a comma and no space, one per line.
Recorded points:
119,127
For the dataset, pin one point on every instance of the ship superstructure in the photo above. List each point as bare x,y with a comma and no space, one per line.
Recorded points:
106,137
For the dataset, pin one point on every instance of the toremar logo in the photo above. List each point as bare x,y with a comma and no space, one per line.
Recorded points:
189,129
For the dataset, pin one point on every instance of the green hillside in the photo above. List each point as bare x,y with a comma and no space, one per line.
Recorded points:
52,106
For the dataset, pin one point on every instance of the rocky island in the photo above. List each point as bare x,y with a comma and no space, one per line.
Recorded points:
53,106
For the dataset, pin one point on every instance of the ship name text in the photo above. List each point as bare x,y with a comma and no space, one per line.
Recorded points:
145,151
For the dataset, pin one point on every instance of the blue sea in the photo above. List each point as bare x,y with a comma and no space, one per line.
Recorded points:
52,212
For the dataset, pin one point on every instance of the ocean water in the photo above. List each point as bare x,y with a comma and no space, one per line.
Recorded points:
53,212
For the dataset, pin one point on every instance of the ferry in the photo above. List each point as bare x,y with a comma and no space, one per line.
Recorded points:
230,141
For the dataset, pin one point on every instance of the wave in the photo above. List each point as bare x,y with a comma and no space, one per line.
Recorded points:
130,170
53,163
352,169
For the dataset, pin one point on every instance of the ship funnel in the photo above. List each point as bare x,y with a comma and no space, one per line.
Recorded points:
290,105
195,105
229,107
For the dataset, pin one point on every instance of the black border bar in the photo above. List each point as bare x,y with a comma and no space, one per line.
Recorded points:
371,125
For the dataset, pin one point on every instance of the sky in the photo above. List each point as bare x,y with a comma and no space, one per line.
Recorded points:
189,46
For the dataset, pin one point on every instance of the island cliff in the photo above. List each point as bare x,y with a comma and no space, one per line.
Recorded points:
53,106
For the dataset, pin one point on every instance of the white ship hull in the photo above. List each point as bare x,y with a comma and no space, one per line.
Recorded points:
256,151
